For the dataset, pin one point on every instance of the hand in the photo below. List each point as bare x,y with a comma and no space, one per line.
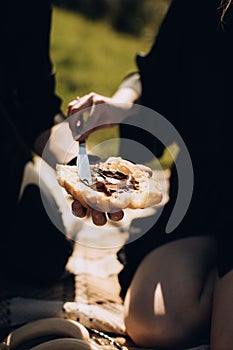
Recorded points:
99,218
110,113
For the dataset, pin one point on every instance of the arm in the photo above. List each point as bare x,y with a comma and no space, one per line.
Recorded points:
129,90
114,109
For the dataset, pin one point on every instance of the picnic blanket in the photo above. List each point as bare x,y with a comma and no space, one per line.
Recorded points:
90,295
89,290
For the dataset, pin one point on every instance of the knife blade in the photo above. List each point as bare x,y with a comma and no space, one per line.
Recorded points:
83,164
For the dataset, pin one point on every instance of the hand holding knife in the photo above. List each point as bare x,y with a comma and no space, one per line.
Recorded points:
84,172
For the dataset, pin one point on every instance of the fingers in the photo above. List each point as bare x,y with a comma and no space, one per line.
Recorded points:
76,122
116,216
75,111
80,103
84,102
78,209
99,218
98,118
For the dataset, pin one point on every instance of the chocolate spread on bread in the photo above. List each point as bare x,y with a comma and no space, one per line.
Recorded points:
111,181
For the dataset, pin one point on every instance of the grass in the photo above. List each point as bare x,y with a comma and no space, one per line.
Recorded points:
90,56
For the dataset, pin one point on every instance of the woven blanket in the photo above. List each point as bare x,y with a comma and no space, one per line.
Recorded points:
90,295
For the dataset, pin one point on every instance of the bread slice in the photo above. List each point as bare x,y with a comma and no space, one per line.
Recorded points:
116,184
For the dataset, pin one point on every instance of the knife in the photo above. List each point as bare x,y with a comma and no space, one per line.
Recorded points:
83,164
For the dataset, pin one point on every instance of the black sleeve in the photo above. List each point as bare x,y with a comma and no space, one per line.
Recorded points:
186,35
27,72
187,77
184,73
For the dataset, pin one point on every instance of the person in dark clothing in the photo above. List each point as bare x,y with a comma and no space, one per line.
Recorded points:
33,250
177,288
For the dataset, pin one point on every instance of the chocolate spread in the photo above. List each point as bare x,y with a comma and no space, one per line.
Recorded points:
112,181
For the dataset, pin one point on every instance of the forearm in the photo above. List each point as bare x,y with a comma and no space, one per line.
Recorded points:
129,90
125,95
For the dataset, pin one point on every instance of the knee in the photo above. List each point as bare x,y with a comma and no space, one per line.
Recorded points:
159,333
162,331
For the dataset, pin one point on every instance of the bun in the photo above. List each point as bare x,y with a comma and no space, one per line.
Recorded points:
117,184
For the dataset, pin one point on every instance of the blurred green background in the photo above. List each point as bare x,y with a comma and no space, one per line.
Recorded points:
94,43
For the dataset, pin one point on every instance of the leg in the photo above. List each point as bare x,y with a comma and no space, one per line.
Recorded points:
222,319
169,300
